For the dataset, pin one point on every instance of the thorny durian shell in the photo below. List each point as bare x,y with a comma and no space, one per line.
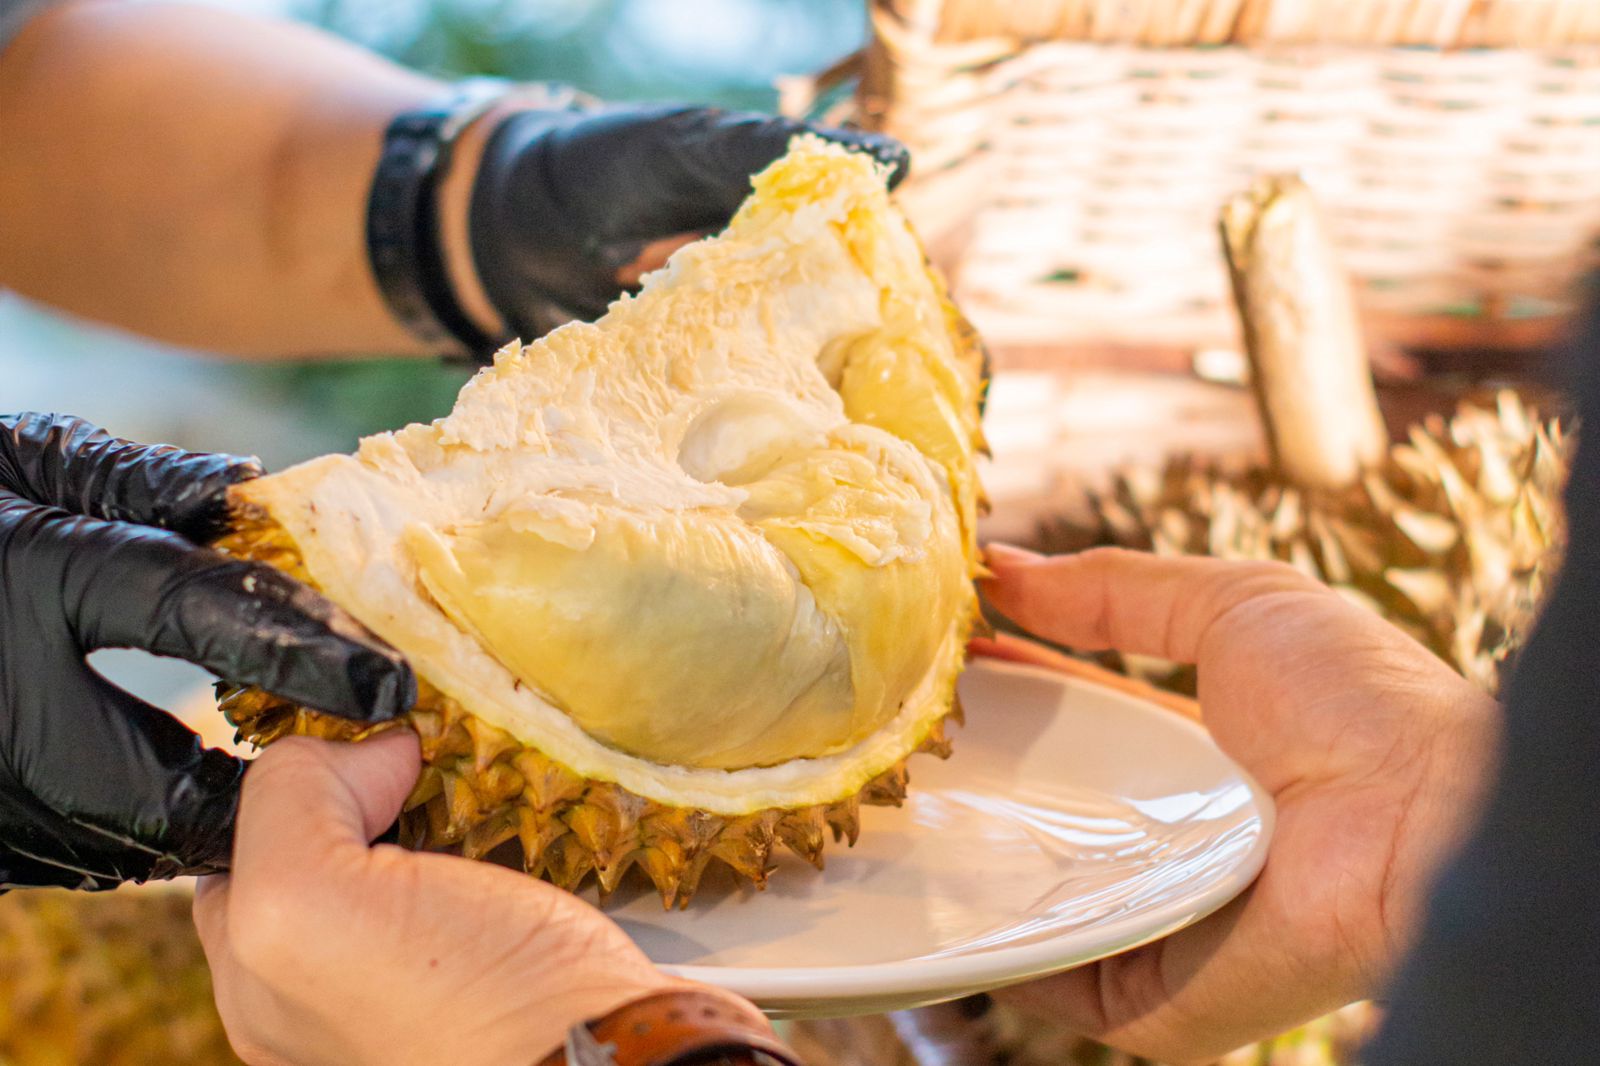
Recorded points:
482,787
1455,537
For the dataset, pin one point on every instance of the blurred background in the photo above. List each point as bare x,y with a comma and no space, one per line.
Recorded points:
1070,163
727,52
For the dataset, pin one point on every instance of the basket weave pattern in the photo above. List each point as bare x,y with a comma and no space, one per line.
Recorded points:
1434,23
1083,178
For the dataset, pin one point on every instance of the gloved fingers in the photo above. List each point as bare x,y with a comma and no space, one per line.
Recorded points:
72,464
21,868
709,156
701,173
114,789
885,149
676,170
565,203
135,587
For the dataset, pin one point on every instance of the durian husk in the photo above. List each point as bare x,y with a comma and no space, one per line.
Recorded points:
482,788
1454,536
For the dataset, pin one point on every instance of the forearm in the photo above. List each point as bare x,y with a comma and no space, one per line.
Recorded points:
197,176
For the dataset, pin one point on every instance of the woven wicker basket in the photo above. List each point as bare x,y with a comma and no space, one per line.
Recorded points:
1070,157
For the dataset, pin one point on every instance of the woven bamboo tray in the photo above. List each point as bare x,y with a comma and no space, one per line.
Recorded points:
1070,157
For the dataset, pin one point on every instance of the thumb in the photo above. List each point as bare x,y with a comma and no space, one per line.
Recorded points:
310,804
1126,600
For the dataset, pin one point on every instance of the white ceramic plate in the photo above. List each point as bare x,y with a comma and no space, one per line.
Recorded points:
1072,823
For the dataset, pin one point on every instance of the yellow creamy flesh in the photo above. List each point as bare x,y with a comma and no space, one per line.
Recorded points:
794,627
726,527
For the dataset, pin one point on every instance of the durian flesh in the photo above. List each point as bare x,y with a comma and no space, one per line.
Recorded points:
683,582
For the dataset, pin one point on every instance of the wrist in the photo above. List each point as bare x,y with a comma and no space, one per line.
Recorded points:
455,209
677,1022
1457,773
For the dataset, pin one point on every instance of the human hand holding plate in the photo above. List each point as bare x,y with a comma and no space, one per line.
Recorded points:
1374,750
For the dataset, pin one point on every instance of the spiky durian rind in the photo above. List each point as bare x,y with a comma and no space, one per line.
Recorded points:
592,809
481,787
1455,536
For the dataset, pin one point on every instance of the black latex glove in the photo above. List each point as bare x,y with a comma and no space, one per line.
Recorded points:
98,550
564,199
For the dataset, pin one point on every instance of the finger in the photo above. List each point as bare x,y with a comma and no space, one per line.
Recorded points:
210,915
886,150
1128,601
678,169
310,804
245,1008
709,156
69,463
130,586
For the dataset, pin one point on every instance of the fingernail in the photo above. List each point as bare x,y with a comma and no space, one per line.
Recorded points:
999,555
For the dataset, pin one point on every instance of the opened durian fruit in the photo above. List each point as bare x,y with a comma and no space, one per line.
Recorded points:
681,584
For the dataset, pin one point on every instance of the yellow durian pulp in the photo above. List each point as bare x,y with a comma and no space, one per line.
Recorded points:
714,549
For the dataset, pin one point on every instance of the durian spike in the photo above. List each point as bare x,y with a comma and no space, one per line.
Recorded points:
844,818
746,845
489,744
668,838
489,834
566,862
538,828
460,811
546,784
430,783
802,832
497,784
607,823
936,743
888,789
1309,367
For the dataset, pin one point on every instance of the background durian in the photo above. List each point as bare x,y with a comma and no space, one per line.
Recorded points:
1453,532
105,979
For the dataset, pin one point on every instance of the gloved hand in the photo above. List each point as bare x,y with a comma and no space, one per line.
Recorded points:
98,548
564,199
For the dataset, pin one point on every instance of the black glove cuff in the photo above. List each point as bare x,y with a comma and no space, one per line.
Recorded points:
403,225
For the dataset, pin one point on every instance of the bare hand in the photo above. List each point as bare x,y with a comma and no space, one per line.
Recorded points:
324,950
1375,752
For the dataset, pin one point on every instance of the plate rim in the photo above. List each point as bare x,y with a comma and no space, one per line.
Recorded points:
993,968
